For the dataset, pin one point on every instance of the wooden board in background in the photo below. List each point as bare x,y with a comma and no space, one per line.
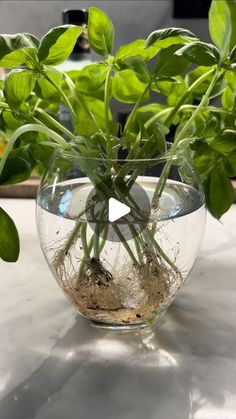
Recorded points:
27,189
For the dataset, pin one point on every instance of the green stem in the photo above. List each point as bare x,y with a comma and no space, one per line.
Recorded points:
193,86
209,108
134,110
103,239
164,175
80,100
155,117
137,245
55,123
66,100
73,236
124,242
27,128
201,105
96,250
84,240
175,109
107,99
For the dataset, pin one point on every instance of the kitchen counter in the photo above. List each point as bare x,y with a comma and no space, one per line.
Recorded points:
55,365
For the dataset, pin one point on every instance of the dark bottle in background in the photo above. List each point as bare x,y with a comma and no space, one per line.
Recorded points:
80,56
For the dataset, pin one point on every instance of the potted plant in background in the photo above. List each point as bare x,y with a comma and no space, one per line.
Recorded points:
121,271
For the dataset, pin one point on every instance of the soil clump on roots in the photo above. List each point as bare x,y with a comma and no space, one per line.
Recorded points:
135,294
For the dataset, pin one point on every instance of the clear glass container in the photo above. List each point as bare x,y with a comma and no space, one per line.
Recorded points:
120,273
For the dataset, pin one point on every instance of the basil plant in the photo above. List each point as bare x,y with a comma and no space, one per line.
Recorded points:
171,62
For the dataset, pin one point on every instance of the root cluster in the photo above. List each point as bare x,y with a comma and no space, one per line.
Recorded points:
134,294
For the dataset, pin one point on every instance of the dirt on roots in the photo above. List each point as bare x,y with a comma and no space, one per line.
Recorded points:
136,294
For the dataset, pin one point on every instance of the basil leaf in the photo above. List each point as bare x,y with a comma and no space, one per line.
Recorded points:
173,91
201,88
222,24
230,164
9,238
228,98
101,31
44,88
15,170
41,152
200,53
126,87
90,80
169,64
219,192
18,86
230,79
144,113
139,67
136,49
87,127
225,142
97,109
10,120
14,49
164,38
58,44
203,163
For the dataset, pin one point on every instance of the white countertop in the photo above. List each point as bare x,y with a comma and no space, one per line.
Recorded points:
54,365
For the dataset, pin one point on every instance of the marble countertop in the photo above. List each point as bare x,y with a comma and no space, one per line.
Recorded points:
54,365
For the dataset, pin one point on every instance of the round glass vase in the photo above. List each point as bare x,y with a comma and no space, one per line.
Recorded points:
120,273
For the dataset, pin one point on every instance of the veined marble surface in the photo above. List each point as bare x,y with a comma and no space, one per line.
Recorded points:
55,365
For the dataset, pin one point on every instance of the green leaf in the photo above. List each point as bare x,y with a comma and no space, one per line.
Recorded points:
44,88
219,192
164,38
222,24
201,88
97,109
230,164
126,87
158,132
101,31
41,152
18,86
203,163
136,49
14,49
173,91
228,98
200,53
58,44
169,64
10,120
90,80
143,114
139,67
15,170
207,125
230,79
225,143
34,41
87,127
9,238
